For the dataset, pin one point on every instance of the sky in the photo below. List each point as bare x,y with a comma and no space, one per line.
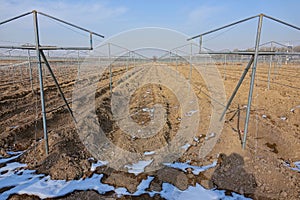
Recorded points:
110,17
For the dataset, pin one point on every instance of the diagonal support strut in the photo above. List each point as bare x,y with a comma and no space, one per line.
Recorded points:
237,86
57,85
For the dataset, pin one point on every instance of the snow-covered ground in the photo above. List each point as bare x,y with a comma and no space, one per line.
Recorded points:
19,180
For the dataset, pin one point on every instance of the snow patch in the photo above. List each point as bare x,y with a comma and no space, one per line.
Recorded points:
149,153
47,188
99,163
169,191
296,166
137,168
24,181
283,118
186,146
196,139
16,155
196,169
145,184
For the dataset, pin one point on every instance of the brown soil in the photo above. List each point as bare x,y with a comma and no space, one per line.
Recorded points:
259,171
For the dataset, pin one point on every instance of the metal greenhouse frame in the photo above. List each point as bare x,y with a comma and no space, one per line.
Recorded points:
252,62
41,56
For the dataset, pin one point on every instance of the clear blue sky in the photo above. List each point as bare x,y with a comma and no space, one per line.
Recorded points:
109,17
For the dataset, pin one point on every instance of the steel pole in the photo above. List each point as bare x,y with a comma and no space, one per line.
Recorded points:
200,44
226,26
270,66
176,59
110,70
14,18
37,41
190,74
91,40
127,65
237,87
14,74
252,79
70,24
225,63
21,73
78,63
57,84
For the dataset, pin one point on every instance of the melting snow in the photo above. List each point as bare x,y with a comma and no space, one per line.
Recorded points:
296,168
5,160
294,108
186,146
149,153
297,164
145,184
47,188
198,192
25,181
196,169
121,191
148,110
99,163
283,118
137,168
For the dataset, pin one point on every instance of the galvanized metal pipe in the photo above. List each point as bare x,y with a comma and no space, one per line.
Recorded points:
270,67
14,18
225,63
70,24
237,87
226,26
127,65
44,47
91,41
21,73
176,59
78,73
110,70
37,41
282,22
57,84
191,67
200,44
262,53
14,74
258,34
